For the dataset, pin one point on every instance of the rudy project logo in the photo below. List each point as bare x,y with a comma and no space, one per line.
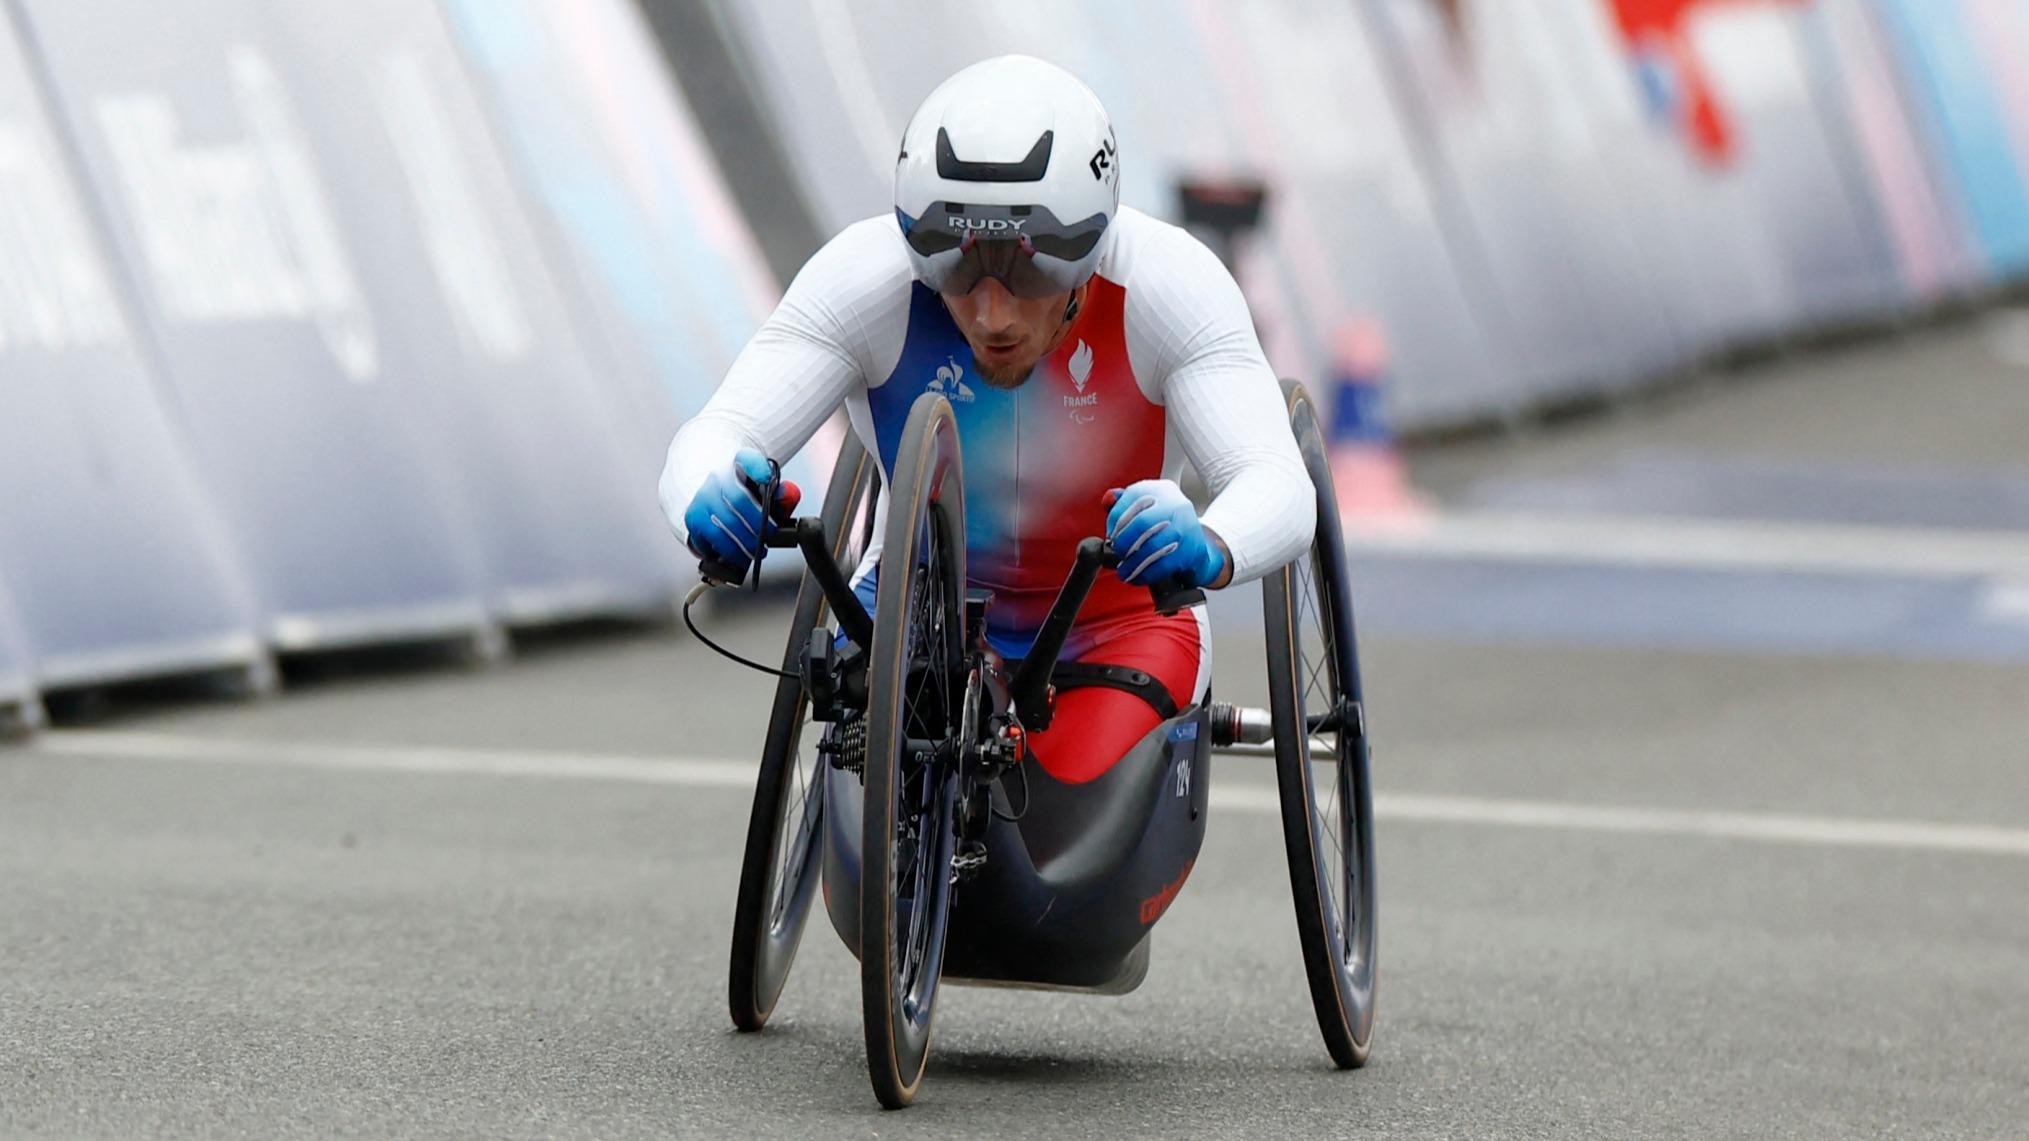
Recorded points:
987,226
950,382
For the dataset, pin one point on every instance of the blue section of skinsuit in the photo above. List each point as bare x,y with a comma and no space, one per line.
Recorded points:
935,357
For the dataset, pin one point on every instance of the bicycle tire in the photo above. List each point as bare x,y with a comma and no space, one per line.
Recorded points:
778,870
1331,853
908,819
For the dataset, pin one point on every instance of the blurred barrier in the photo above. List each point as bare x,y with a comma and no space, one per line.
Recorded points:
307,420
1852,57
1588,192
545,466
19,708
291,361
115,565
608,149
1514,156
1789,170
1950,83
332,323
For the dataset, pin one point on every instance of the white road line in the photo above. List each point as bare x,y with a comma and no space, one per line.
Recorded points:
1739,545
688,771
699,772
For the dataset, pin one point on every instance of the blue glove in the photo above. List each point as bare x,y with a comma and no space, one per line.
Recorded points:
1157,534
725,518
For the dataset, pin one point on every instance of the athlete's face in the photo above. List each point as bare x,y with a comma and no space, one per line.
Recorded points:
1008,334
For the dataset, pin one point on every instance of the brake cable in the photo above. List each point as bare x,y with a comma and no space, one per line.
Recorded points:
1014,817
696,593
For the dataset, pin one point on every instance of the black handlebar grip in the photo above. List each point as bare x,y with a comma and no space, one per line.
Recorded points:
725,574
1175,595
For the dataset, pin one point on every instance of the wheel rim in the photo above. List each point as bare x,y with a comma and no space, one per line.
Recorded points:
1324,670
921,881
792,872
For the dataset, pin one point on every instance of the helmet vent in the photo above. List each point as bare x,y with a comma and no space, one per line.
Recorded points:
1030,169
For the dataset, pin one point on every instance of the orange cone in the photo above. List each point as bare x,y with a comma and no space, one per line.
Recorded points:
1367,469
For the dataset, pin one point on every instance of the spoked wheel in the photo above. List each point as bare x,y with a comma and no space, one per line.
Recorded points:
779,874
1321,762
915,686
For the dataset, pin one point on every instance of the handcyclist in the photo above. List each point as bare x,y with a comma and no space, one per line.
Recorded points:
1088,350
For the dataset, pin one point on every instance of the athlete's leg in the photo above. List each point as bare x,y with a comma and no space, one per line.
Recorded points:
1095,726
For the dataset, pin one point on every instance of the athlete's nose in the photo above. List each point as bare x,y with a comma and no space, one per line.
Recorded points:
997,313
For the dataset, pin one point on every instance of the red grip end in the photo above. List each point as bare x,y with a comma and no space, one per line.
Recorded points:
786,498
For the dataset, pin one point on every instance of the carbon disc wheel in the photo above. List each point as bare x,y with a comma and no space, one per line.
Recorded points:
1321,763
915,685
779,873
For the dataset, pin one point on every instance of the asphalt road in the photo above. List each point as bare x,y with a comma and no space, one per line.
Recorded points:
1639,878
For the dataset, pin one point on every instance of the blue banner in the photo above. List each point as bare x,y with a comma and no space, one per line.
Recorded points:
606,146
471,324
277,357
115,563
1967,124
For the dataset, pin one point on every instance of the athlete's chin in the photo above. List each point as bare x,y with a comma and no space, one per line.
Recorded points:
1004,369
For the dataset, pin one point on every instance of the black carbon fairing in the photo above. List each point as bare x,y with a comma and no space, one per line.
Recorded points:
1071,889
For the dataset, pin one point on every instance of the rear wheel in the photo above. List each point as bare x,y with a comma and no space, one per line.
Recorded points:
1321,763
779,873
915,686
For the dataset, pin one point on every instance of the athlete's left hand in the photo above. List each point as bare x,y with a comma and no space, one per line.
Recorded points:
1156,531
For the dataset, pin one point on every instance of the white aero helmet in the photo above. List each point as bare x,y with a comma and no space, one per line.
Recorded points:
1008,170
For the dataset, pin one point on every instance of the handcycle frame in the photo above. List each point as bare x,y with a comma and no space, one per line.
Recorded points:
1028,693
951,770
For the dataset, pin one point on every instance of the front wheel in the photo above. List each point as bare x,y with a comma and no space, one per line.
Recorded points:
1321,762
915,687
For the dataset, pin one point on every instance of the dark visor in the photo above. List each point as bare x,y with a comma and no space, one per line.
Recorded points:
1024,248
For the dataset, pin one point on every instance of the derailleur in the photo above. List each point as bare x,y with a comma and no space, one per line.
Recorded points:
834,676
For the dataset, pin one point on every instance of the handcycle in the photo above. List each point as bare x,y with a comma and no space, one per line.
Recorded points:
945,855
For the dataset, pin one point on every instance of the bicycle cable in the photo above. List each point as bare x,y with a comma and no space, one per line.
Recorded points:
696,593
1013,817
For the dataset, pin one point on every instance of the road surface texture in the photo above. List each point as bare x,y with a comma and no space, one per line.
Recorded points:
1703,751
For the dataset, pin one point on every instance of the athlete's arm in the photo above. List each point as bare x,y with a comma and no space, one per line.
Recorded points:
1186,314
799,367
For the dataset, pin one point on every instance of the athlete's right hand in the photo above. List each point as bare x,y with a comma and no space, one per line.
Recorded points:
726,520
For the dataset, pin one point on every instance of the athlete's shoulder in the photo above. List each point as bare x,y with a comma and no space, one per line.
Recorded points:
864,258
854,294
1179,298
1142,249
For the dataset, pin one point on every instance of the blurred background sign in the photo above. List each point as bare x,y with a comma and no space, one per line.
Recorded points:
667,268
327,324
538,438
222,213
108,544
